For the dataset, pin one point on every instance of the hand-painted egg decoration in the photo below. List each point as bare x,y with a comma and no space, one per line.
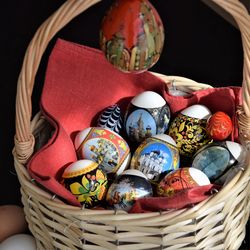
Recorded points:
216,158
86,180
180,179
188,129
219,126
147,114
111,118
132,35
105,147
156,156
127,187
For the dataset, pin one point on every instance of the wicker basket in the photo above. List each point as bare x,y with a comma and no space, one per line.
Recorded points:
216,223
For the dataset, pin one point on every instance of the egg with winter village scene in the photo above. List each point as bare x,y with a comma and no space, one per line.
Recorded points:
181,179
111,118
156,156
216,158
105,147
147,114
126,188
86,181
188,129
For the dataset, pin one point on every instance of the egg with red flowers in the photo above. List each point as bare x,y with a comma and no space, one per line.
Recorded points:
219,126
181,179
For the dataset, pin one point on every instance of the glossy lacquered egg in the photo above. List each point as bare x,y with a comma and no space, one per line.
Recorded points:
111,118
86,181
147,114
181,179
216,158
219,126
188,129
156,156
105,147
132,35
127,187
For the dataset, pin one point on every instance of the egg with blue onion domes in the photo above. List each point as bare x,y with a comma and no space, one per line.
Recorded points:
156,156
147,114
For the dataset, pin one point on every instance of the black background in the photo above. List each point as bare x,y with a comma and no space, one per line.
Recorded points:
199,44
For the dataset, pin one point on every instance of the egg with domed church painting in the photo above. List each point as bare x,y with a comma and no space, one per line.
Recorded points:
156,156
147,114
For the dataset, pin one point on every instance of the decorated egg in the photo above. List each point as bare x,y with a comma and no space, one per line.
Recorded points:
111,118
147,114
188,129
156,156
219,126
86,181
216,158
105,147
132,35
127,187
180,179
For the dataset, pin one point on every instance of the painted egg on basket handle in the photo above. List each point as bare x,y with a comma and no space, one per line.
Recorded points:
181,179
189,129
219,126
105,147
127,187
86,181
216,158
156,156
132,35
111,118
147,114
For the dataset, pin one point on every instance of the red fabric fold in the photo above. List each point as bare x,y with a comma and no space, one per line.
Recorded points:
181,199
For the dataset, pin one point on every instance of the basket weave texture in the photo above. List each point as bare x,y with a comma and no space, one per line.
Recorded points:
216,223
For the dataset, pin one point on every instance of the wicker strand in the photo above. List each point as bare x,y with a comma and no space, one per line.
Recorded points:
242,18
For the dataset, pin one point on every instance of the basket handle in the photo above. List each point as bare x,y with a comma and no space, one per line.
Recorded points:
24,139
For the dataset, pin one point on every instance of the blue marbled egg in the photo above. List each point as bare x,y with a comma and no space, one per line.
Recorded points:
111,118
213,161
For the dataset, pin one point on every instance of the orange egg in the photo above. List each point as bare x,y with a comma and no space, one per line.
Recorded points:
219,126
12,221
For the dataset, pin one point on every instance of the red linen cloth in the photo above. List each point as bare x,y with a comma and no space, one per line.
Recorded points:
79,84
181,199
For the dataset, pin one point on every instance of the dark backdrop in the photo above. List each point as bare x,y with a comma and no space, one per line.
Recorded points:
199,45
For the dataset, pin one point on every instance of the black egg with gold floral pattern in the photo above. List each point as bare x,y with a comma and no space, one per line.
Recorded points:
86,181
188,129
